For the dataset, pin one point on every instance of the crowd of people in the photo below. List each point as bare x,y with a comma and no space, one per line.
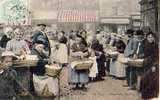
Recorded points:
108,53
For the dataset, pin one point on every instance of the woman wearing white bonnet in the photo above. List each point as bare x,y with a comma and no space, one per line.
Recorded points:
18,43
19,47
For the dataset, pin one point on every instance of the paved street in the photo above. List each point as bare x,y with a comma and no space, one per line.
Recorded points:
109,89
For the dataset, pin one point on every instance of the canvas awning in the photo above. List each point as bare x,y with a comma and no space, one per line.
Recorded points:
77,16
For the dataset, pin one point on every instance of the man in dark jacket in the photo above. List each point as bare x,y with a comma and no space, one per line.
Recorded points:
135,50
39,51
41,33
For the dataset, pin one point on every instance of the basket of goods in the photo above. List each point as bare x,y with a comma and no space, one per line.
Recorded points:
82,64
136,62
52,70
122,59
28,61
112,54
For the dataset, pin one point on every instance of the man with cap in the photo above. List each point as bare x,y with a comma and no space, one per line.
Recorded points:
135,50
7,76
39,50
41,32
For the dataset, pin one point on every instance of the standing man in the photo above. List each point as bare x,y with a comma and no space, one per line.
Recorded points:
135,50
40,33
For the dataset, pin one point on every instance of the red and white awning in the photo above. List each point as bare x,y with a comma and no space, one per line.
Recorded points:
77,16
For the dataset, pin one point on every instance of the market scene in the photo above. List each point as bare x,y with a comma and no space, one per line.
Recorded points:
79,49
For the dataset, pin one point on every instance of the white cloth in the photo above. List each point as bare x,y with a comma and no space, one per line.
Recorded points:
53,50
93,71
117,68
74,63
41,81
62,53
59,55
1,71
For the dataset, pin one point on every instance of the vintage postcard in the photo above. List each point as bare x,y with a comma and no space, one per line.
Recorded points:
79,49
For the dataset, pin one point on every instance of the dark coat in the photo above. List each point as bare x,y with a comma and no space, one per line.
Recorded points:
40,68
132,47
38,35
150,79
3,41
149,84
100,58
7,83
150,54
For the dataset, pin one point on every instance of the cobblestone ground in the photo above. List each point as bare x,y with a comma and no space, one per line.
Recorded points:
109,89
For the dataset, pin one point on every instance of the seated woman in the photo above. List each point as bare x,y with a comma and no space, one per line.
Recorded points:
20,48
43,84
18,44
7,77
78,51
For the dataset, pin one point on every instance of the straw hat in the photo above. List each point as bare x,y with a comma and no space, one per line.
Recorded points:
8,53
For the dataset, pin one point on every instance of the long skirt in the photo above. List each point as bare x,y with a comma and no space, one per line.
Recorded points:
113,67
45,85
101,66
117,69
64,77
149,85
78,76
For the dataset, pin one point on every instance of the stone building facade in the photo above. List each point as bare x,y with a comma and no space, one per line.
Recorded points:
150,10
115,15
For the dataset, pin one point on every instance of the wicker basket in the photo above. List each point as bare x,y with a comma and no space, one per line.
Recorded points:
113,54
122,59
136,62
25,63
84,65
52,70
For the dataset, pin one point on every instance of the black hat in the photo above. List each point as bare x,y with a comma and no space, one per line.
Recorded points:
139,32
130,31
42,25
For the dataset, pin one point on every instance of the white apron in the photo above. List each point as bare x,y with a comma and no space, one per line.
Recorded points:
93,71
40,82
117,68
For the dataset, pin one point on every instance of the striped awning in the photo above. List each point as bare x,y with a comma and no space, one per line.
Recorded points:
77,16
